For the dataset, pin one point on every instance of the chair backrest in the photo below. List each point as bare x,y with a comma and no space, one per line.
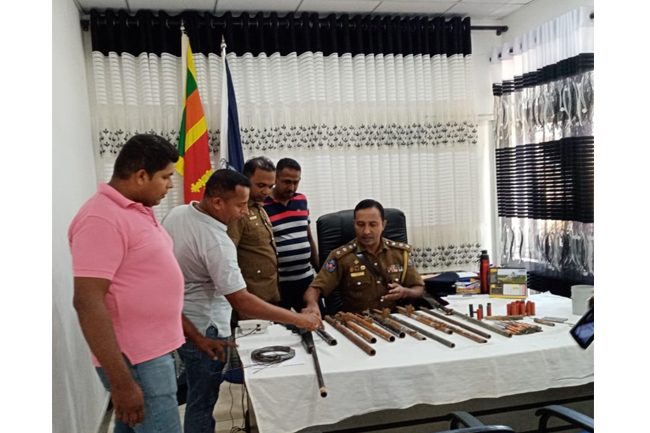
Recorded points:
337,228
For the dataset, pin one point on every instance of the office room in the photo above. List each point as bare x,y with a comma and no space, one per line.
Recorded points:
451,141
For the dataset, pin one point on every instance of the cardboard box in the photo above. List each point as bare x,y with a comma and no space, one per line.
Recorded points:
508,283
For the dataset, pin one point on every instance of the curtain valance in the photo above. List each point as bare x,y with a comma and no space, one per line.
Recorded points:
159,32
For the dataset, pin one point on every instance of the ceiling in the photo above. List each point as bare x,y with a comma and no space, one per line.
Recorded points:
476,9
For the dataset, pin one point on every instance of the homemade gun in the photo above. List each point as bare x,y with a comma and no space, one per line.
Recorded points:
308,343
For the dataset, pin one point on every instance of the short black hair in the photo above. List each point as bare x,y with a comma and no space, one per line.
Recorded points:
224,181
287,163
144,151
261,162
367,204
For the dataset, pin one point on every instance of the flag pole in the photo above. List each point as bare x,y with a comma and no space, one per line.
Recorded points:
180,165
231,153
184,40
223,151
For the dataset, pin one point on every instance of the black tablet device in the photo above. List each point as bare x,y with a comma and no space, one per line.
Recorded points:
583,331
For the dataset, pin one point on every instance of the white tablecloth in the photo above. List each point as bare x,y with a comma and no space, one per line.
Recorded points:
409,372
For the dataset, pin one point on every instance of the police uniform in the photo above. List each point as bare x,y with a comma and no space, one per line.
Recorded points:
360,288
256,252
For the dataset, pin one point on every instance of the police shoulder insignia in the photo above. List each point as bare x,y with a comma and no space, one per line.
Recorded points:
343,250
399,245
330,266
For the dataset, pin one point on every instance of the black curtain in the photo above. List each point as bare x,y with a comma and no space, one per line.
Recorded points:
159,32
547,181
583,62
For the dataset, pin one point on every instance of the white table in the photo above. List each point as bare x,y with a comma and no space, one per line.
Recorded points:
408,372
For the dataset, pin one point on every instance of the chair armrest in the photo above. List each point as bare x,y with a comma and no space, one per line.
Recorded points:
464,418
483,429
573,417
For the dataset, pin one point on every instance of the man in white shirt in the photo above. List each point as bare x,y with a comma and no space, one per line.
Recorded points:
213,286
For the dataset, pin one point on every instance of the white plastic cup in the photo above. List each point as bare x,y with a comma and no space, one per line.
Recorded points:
580,296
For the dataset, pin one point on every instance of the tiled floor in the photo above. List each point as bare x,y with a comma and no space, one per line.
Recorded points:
230,408
228,413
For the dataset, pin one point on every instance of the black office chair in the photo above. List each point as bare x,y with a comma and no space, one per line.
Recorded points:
470,425
482,429
574,418
337,228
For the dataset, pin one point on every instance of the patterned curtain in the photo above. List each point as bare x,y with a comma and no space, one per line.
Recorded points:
371,107
544,134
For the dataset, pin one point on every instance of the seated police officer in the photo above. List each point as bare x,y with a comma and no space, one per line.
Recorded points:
371,271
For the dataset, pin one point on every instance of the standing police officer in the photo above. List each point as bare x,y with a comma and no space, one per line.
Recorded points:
253,234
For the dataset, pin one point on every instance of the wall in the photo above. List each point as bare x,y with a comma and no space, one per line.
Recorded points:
482,43
78,399
539,12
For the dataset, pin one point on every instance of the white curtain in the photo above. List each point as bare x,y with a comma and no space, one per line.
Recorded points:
400,129
537,113
543,83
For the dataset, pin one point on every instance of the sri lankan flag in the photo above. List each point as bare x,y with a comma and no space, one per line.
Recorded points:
194,162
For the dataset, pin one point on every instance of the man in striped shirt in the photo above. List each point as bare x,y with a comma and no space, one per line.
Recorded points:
297,252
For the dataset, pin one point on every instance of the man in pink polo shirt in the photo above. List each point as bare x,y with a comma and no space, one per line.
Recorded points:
128,287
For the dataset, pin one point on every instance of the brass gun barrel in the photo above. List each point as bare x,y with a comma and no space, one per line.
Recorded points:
395,330
481,324
401,327
455,322
347,322
425,320
350,336
543,322
462,333
367,323
423,332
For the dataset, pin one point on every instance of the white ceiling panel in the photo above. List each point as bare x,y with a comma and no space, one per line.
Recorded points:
422,1
172,5
87,5
411,7
518,2
257,5
477,9
339,6
483,10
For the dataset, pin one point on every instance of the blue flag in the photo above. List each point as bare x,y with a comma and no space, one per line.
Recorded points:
232,155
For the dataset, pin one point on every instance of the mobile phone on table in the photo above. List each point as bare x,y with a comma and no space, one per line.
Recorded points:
583,331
